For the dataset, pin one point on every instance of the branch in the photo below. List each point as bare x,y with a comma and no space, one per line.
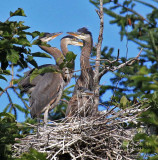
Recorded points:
102,59
131,10
11,82
100,39
83,69
10,86
63,100
114,68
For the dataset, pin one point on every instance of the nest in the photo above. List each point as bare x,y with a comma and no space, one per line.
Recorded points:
89,138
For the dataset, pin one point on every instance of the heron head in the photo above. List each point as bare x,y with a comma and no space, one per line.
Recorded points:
71,40
81,33
49,36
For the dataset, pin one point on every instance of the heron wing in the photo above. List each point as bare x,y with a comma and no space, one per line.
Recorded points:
28,85
48,90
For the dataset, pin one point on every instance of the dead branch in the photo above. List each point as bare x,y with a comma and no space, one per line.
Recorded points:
98,55
114,68
103,59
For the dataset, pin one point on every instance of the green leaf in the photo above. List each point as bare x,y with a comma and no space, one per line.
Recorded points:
140,78
2,77
6,108
1,89
43,70
125,144
143,70
124,101
145,3
9,115
23,41
18,12
20,108
70,56
39,54
13,56
5,72
154,157
39,42
35,34
33,155
33,62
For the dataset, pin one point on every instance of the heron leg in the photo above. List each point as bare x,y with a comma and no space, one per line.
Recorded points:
38,127
45,118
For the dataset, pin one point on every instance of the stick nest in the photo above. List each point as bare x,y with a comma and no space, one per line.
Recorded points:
89,138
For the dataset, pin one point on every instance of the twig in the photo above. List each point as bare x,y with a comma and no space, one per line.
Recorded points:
10,86
83,69
114,68
102,59
63,100
101,134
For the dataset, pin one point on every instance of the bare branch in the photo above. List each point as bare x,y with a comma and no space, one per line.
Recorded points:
82,69
114,68
63,100
128,63
10,86
100,39
102,59
98,55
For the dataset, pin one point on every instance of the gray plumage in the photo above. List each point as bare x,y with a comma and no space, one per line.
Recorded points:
46,89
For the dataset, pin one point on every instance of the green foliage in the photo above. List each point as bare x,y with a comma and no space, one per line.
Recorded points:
68,61
124,102
10,133
9,130
18,12
43,70
15,52
32,155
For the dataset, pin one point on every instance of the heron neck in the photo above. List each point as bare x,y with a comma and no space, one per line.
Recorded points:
64,48
85,54
55,52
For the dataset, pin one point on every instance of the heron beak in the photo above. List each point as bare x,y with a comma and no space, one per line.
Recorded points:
49,36
80,43
54,35
78,35
76,41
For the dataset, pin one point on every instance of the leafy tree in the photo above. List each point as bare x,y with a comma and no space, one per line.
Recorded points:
15,55
9,130
140,80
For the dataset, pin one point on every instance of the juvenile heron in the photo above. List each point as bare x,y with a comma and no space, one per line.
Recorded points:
46,89
85,80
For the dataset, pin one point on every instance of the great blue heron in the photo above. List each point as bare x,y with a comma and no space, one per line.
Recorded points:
85,80
46,89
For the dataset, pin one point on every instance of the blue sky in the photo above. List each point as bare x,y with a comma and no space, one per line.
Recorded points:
63,16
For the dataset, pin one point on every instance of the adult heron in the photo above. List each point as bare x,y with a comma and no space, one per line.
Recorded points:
47,88
85,80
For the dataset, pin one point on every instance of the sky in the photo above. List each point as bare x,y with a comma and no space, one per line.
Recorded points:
65,16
